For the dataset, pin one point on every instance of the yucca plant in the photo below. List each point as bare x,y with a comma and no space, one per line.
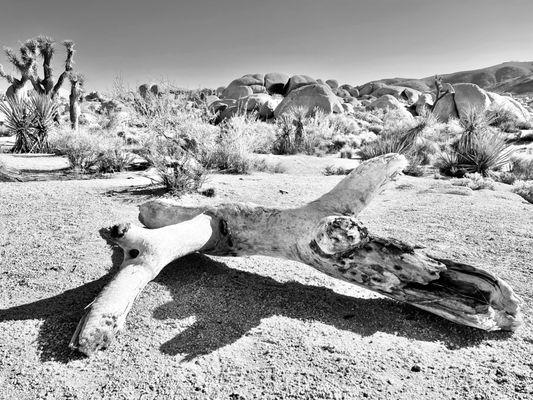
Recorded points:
44,111
19,122
30,120
483,151
479,149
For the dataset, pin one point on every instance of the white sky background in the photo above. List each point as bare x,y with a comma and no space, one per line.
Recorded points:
207,43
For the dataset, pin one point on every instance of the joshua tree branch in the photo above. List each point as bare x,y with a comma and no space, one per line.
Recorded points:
69,45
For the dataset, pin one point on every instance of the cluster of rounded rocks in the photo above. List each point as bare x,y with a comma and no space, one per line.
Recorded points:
273,94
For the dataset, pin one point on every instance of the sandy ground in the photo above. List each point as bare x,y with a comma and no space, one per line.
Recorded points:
255,328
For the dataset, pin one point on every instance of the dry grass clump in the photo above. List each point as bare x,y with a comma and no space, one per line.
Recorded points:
524,189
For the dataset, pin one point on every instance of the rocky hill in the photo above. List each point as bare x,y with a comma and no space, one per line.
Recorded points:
509,77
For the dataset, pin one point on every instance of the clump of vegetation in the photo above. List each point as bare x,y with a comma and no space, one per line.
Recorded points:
522,166
506,121
474,181
399,140
336,170
479,148
291,139
91,151
504,177
414,168
503,119
231,152
524,189
30,120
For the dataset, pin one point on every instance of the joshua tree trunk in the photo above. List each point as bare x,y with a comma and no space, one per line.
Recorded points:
323,234
15,85
74,106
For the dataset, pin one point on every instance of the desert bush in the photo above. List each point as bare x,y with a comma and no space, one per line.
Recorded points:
261,165
522,166
238,137
335,170
371,116
447,162
96,151
524,189
175,162
395,121
503,119
474,181
400,139
414,168
301,131
504,177
424,150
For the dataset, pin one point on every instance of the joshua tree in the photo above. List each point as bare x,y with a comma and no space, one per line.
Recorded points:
76,92
45,49
39,47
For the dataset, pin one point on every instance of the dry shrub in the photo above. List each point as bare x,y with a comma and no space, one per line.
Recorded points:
400,138
524,189
336,170
302,131
91,151
504,177
474,181
522,166
238,138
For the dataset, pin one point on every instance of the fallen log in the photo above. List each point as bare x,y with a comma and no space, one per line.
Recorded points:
323,234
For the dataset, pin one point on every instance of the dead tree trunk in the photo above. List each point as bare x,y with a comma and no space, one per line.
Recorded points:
323,234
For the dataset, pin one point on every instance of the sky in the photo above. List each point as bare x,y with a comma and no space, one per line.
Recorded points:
207,43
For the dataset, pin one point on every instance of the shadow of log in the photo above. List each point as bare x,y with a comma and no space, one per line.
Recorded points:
228,303
61,313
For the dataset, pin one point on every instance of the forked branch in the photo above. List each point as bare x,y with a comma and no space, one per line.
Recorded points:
323,234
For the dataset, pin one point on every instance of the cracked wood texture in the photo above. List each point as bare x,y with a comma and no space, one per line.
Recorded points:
323,234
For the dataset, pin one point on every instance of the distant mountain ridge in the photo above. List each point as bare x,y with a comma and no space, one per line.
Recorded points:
509,77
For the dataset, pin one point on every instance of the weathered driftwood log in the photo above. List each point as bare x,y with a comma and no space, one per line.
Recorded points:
323,234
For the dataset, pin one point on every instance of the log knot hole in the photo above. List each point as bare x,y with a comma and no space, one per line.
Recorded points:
133,253
338,234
